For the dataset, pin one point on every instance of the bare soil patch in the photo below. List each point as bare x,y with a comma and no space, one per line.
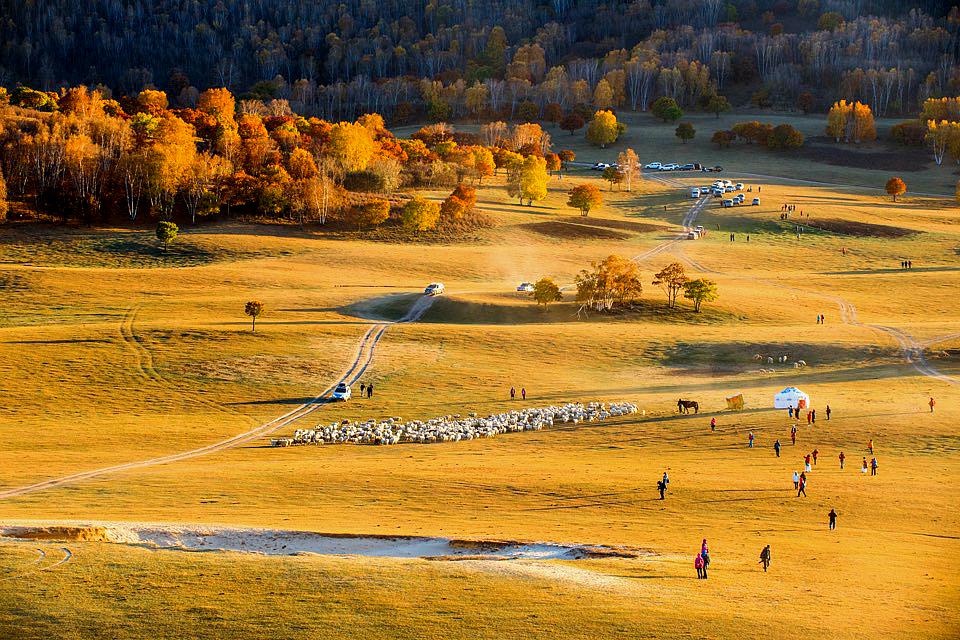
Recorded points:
859,229
572,231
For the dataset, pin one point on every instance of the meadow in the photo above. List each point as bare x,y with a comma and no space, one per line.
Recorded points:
112,352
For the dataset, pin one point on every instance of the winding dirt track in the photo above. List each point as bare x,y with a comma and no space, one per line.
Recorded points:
361,361
913,350
67,557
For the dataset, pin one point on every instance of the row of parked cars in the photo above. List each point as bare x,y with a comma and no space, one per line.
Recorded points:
722,187
656,166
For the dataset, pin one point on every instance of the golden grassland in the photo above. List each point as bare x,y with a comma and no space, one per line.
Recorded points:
106,357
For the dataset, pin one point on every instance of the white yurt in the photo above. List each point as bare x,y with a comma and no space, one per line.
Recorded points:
791,397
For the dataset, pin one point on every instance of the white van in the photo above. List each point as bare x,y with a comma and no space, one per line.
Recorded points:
695,192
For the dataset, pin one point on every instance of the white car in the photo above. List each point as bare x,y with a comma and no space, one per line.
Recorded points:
669,167
756,202
695,192
525,287
342,392
600,166
434,289
739,186
652,165
727,203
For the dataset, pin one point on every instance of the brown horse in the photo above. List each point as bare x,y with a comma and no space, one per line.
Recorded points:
684,406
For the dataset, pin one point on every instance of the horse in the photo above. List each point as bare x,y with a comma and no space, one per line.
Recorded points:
684,406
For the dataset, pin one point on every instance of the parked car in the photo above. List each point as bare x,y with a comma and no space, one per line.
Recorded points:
669,167
739,186
600,166
525,287
692,235
699,229
341,392
695,192
653,166
687,167
728,189
726,203
434,289
756,202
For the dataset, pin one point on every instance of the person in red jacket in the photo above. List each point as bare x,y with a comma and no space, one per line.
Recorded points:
698,564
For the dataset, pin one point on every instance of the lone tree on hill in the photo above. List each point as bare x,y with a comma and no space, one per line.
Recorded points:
718,104
546,291
685,131
166,233
672,278
604,129
254,309
896,187
420,214
700,291
585,197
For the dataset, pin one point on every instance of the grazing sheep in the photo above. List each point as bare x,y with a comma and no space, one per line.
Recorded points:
456,429
802,363
769,360
757,356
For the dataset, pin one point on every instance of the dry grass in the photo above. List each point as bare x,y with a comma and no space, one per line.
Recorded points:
101,363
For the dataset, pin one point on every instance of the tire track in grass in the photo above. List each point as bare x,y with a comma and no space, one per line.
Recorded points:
67,557
358,366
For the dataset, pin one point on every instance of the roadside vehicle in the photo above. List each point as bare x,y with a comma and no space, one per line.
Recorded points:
695,192
341,392
669,167
699,229
653,166
728,189
692,235
434,289
687,167
756,202
726,203
739,186
600,166
714,169
525,287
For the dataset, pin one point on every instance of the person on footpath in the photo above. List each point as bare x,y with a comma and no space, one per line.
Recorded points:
765,558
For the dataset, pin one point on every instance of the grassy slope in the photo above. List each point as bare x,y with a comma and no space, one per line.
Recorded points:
102,364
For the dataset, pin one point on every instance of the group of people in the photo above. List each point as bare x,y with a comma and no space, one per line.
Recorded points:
523,393
366,389
702,561
662,485
821,318
811,414
906,264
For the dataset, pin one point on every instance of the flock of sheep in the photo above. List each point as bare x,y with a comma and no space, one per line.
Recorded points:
455,427
782,359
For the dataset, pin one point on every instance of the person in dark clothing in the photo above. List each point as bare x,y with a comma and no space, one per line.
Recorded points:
363,388
523,392
662,488
370,390
833,519
765,558
813,416
873,466
909,264
842,458
776,447
513,392
803,486
790,411
828,412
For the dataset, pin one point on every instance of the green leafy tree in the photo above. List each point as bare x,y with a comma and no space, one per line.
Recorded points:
718,104
166,233
254,309
685,131
546,291
666,109
585,197
700,291
369,214
420,214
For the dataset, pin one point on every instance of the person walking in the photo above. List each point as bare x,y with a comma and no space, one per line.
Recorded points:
750,440
802,488
842,458
909,264
705,554
523,393
776,447
813,416
793,434
666,480
662,488
870,446
363,388
806,463
790,411
765,558
370,390
713,424
828,412
863,468
796,480
698,565
833,519
873,466
816,452
932,404
809,418
513,393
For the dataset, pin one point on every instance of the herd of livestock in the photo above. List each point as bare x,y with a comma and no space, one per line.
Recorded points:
454,428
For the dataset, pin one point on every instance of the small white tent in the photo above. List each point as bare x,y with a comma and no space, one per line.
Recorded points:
791,397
